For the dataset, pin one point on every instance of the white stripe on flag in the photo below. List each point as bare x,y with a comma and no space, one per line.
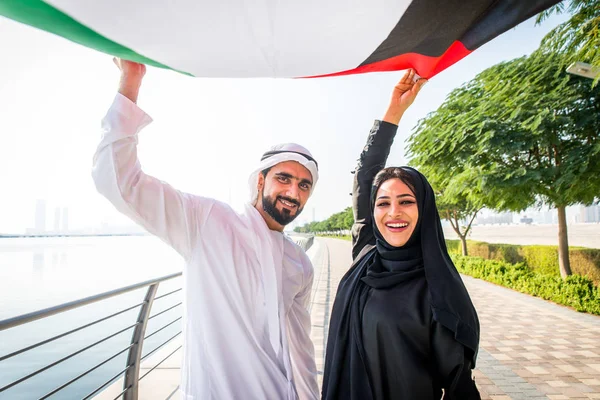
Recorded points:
282,38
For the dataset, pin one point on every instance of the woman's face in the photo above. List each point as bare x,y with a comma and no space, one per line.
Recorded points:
396,213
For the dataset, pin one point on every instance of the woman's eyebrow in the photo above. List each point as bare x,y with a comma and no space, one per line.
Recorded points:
399,196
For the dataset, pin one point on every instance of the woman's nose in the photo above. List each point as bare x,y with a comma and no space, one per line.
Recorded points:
395,210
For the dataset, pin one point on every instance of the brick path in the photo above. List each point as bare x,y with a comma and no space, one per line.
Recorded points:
530,348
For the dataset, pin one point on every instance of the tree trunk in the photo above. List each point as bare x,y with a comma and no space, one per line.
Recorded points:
463,242
563,243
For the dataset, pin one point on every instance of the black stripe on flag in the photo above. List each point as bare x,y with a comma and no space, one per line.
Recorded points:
501,17
429,27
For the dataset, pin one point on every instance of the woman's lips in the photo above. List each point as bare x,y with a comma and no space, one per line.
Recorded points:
396,226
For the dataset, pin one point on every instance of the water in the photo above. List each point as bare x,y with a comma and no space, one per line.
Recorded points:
38,273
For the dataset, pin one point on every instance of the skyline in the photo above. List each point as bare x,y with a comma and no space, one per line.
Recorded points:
207,135
43,218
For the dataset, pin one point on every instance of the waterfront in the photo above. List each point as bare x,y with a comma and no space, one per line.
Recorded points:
584,235
37,273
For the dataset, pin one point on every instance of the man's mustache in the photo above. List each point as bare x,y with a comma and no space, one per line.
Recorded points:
289,200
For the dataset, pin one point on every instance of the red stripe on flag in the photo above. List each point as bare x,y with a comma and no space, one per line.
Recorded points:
425,66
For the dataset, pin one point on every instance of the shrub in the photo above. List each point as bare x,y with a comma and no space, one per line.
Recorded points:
576,291
542,259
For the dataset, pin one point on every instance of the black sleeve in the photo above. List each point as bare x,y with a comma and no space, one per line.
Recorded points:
454,365
371,161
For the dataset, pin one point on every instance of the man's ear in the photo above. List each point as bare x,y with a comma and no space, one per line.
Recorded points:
261,181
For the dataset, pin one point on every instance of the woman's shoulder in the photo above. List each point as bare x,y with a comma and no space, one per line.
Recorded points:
363,253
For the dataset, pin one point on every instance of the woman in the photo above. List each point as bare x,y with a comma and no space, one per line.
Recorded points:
403,325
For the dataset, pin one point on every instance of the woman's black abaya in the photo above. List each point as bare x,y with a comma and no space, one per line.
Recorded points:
403,325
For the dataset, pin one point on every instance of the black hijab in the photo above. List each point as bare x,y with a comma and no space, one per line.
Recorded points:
382,265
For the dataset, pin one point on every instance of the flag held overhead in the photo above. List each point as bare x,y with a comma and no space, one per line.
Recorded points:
284,38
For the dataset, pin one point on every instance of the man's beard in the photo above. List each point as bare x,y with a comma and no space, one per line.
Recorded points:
284,216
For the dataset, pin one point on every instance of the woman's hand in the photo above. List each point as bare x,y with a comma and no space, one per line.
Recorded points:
404,94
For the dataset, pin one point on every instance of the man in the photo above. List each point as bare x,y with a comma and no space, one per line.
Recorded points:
246,285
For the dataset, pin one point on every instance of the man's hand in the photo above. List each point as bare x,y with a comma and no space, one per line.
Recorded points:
131,78
404,94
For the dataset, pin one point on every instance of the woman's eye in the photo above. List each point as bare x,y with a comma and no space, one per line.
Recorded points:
382,204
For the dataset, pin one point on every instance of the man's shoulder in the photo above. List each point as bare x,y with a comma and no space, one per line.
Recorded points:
218,208
299,253
294,244
217,216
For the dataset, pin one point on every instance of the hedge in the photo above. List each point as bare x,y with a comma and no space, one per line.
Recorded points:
542,259
575,291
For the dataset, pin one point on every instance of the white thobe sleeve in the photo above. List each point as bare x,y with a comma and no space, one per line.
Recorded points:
171,215
302,351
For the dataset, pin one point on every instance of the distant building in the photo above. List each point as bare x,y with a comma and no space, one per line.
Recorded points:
589,214
65,219
40,216
502,218
525,220
550,217
56,219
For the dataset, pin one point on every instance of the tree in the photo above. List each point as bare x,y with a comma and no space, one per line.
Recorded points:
342,220
528,135
348,218
579,37
453,180
455,209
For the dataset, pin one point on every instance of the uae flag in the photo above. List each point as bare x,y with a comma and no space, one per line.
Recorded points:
279,38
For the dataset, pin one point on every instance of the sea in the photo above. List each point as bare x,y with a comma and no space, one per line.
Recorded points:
39,273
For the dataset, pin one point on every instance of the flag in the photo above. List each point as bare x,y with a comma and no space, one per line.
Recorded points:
279,38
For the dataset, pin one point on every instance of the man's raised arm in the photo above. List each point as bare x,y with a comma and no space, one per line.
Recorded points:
163,211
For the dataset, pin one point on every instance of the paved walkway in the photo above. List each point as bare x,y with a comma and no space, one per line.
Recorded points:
530,349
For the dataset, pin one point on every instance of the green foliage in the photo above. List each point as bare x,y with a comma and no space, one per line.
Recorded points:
521,133
544,259
541,259
453,246
336,222
575,291
457,197
579,37
343,237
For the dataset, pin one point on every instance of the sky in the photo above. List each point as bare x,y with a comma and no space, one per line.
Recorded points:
207,134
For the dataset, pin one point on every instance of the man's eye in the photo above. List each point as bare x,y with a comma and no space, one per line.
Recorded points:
283,179
304,186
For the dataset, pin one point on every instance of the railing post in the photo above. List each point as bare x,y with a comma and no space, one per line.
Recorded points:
132,376
309,242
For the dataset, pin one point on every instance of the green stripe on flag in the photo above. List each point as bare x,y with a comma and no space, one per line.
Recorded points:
45,17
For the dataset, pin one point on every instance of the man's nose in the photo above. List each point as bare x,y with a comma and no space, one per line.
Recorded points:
293,192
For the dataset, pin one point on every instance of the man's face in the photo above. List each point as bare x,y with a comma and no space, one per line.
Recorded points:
284,191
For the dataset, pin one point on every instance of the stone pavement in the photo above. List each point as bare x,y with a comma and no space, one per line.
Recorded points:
530,348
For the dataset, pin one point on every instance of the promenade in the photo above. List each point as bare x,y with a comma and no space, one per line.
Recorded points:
530,348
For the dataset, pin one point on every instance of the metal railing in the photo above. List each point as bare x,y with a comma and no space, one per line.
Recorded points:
304,240
131,372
